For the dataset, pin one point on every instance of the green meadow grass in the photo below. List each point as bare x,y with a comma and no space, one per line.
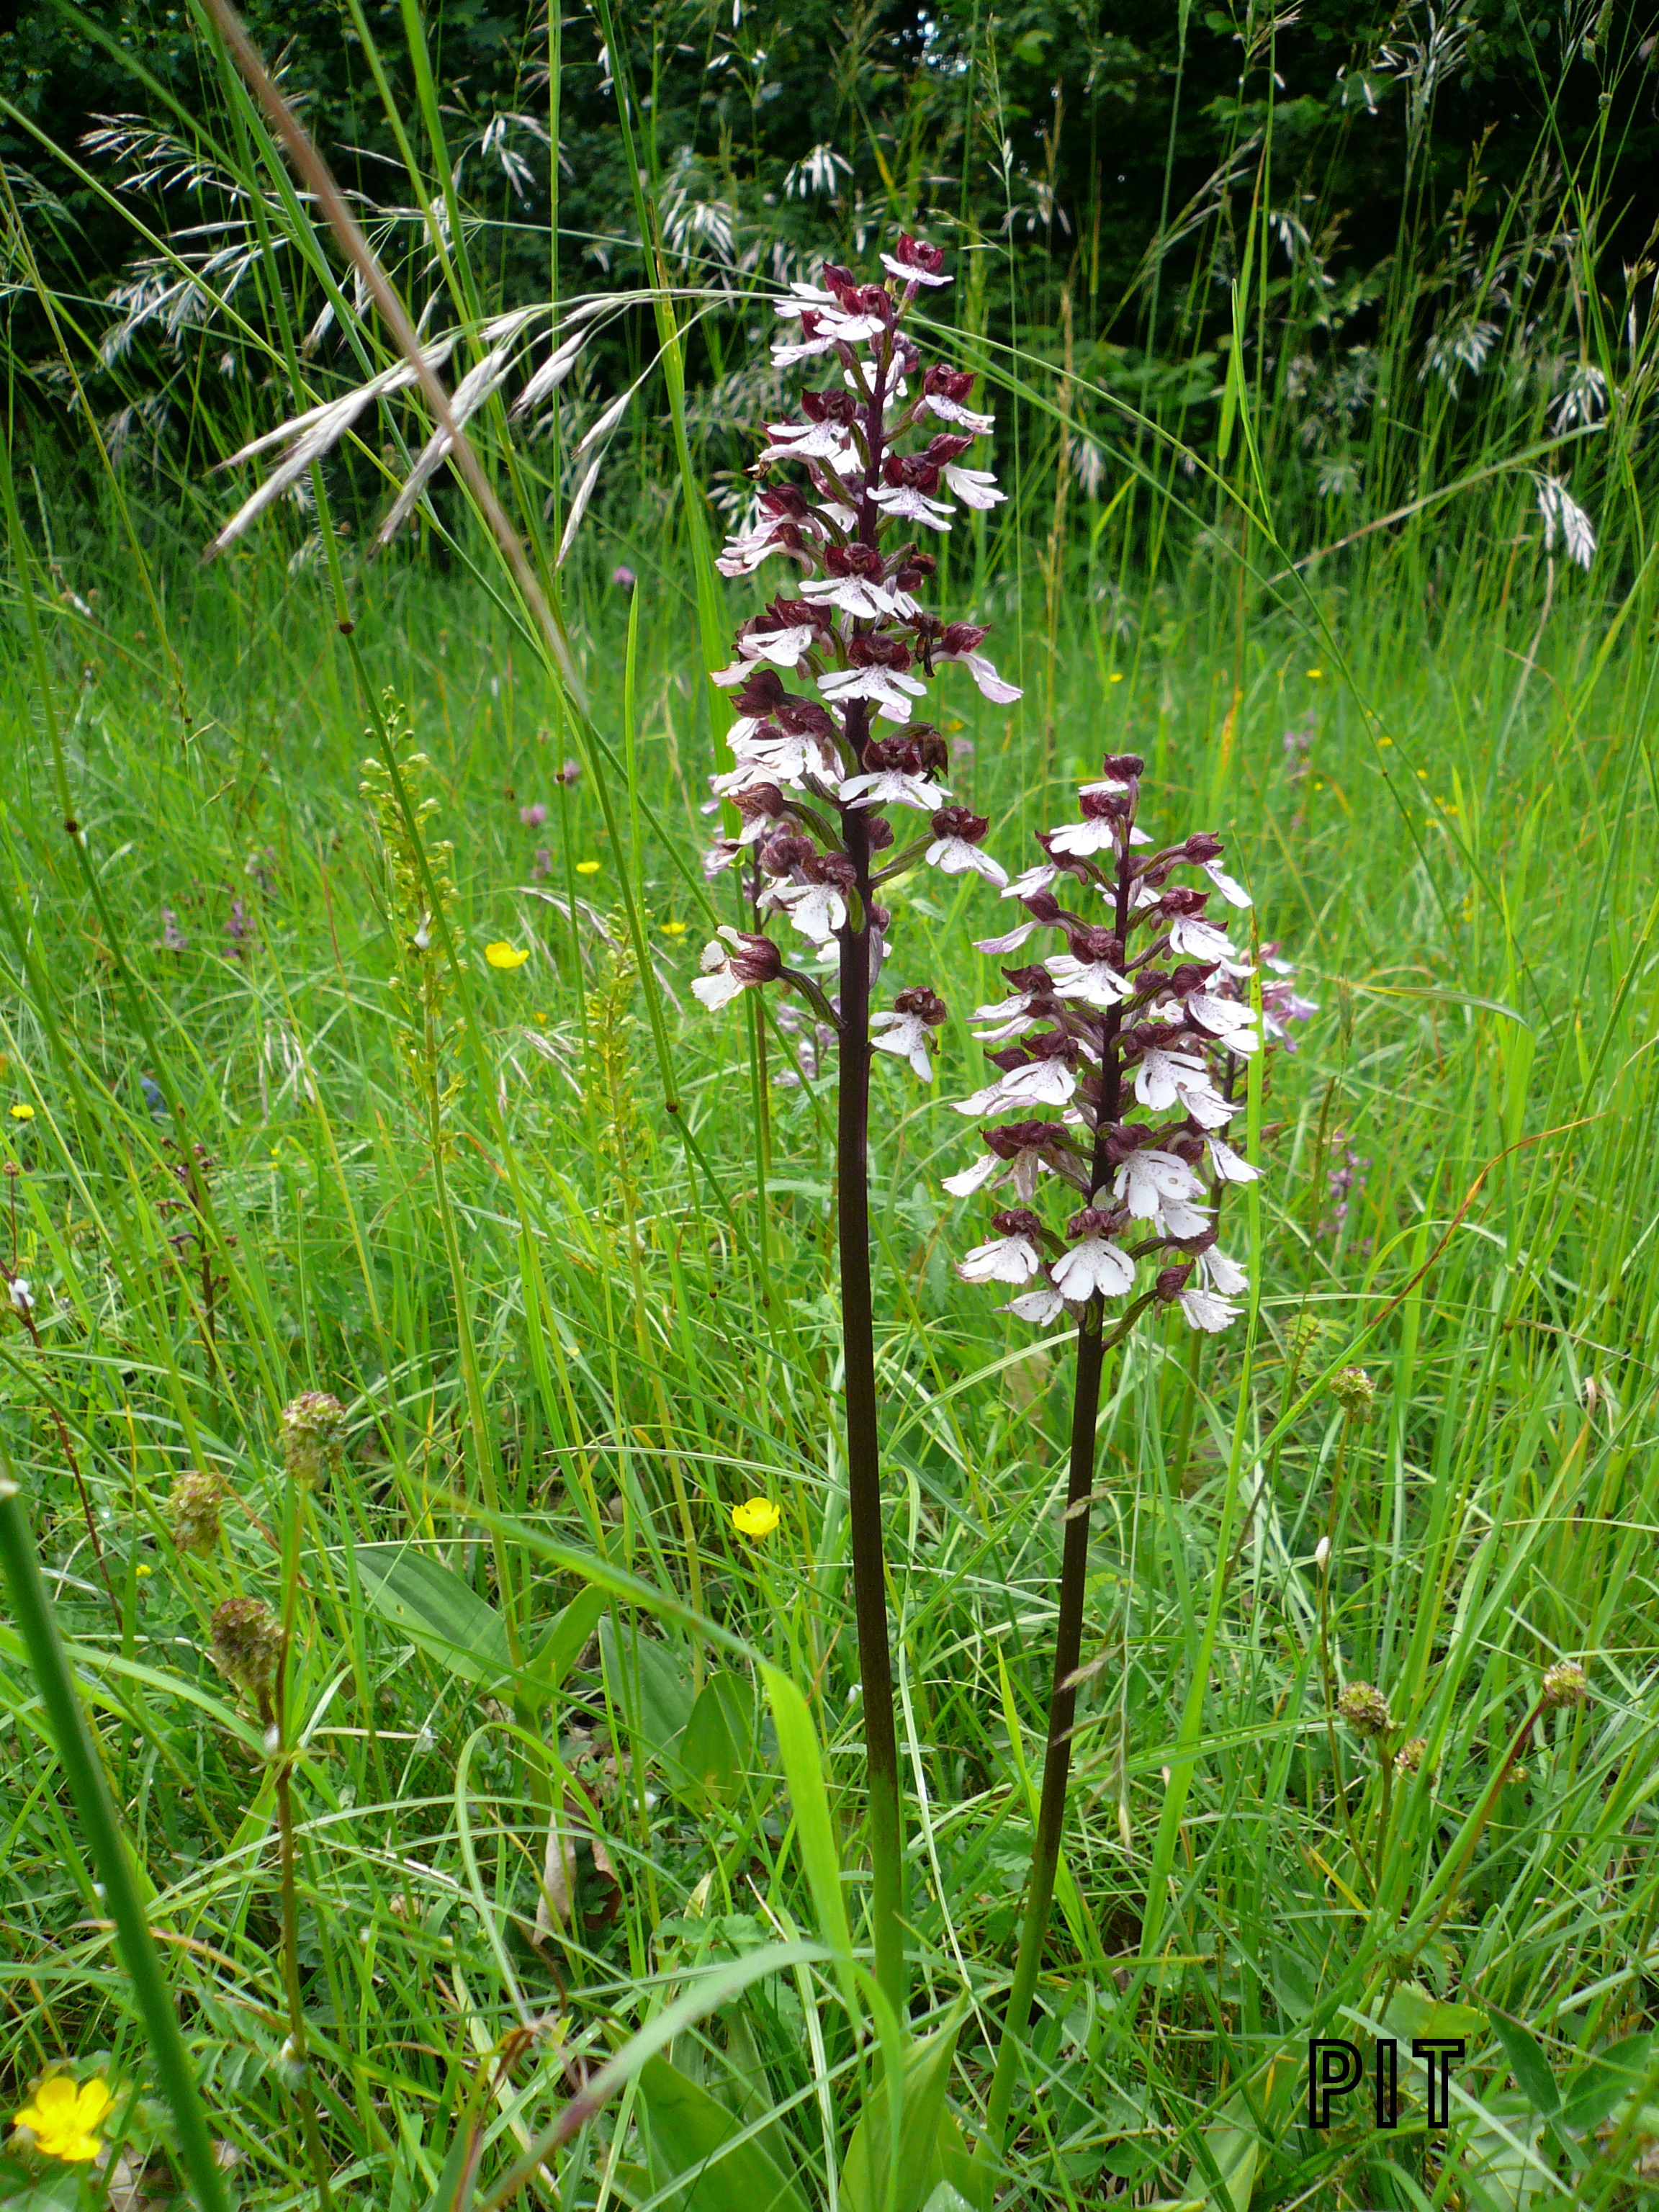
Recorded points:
569,1323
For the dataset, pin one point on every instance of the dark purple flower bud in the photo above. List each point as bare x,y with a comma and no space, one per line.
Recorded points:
880,917
1017,1221
1169,1284
831,406
782,853
754,959
1190,977
1178,903
927,1004
913,469
1034,978
1202,846
1188,1146
964,637
780,500
1042,905
954,384
1152,980
1012,1138
1124,1138
875,651
804,718
761,798
880,832
830,868
1103,806
917,254
1089,943
961,822
853,560
762,692
1127,766
914,570
1096,1221
948,445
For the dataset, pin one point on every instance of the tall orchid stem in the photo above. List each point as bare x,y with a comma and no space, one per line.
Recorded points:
863,1447
1062,1709
1091,1349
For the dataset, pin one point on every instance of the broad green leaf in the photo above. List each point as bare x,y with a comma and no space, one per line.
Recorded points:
1235,2146
803,1765
945,2198
560,1645
648,1681
690,2131
437,1611
868,2170
1412,2012
720,1734
961,2171
1598,2089
1527,2063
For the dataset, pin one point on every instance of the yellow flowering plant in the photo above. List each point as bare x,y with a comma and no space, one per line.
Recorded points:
64,2115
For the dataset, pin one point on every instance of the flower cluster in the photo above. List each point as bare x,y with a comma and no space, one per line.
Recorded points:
1143,1009
828,677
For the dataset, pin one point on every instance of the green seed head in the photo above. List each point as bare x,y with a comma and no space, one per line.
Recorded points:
1410,1756
314,1427
1353,1390
1366,1710
247,1646
197,1501
1565,1684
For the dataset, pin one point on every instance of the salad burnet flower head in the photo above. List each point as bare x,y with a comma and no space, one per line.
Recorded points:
1117,1057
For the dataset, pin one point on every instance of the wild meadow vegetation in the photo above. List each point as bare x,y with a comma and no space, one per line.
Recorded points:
435,1659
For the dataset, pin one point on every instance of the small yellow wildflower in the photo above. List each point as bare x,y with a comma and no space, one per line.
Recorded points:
587,867
542,1019
503,955
674,928
755,1517
23,1113
141,1572
1316,673
1117,676
63,2115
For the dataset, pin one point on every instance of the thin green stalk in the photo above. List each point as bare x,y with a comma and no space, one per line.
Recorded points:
175,2075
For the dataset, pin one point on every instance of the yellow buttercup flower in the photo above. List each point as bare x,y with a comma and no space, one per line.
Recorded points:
21,1113
587,867
1117,676
674,928
1316,673
63,2114
755,1517
503,955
